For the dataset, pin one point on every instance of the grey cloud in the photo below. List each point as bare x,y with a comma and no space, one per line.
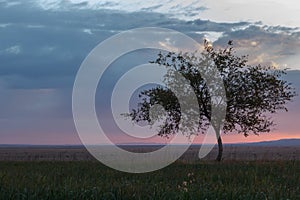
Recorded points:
54,44
266,45
57,47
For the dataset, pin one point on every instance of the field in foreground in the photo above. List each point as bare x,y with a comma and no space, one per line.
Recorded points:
202,180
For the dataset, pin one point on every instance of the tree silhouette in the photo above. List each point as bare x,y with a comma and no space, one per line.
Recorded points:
252,93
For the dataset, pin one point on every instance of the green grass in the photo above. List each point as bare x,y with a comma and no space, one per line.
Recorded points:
208,180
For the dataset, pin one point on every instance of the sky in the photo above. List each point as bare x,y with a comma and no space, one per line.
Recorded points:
44,42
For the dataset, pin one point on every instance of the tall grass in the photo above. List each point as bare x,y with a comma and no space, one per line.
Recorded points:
204,180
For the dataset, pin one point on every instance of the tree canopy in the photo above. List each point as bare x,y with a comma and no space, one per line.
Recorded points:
252,92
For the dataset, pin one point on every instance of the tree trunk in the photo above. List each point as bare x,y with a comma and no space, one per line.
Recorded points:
220,148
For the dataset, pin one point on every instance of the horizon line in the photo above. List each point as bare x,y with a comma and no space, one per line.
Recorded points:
146,144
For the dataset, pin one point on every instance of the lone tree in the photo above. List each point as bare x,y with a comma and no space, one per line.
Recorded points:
252,93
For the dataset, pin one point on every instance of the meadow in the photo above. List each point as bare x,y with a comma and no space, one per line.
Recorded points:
181,180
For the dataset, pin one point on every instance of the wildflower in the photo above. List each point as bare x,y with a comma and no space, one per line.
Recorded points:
190,174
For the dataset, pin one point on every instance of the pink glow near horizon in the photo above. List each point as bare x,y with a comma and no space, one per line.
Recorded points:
71,138
228,138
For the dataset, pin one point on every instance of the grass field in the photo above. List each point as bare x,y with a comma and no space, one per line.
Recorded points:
202,180
231,152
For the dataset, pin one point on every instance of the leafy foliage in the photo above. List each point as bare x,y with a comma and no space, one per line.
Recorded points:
252,92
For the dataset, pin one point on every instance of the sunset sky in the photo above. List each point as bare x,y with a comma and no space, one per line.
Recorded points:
44,42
